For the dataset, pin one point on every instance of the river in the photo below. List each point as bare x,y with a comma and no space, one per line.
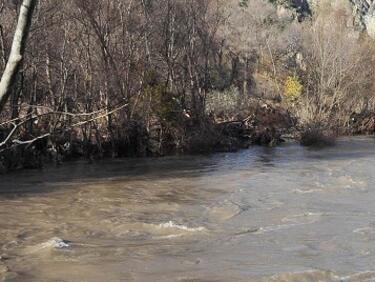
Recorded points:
265,214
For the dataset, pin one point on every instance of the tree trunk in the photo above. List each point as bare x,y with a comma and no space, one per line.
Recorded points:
17,50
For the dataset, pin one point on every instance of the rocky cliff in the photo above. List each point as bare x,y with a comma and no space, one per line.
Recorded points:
364,15
363,11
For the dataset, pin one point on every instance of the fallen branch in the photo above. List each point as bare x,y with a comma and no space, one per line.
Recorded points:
28,142
20,142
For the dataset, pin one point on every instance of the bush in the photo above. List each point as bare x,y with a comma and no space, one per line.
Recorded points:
292,88
225,104
317,137
164,104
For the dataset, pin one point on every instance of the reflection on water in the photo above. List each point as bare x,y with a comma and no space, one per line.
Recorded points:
280,214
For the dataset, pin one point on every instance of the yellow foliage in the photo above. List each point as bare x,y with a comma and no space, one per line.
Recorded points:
292,88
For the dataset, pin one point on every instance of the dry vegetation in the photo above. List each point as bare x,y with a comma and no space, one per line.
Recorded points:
153,77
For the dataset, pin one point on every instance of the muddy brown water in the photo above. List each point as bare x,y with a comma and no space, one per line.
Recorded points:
263,214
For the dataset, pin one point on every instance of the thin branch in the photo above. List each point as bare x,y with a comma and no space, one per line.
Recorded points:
19,142
64,112
14,120
101,116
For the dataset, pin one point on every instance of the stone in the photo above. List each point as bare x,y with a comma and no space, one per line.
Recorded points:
369,21
56,243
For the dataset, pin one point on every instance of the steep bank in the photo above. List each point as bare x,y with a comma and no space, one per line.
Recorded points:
263,124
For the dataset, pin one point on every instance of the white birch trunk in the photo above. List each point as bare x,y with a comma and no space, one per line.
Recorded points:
17,50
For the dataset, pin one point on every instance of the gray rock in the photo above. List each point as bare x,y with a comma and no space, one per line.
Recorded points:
56,243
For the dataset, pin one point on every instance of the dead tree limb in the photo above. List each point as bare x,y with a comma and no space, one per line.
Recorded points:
21,142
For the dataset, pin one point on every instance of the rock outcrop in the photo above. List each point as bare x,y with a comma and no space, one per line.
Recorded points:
363,11
364,15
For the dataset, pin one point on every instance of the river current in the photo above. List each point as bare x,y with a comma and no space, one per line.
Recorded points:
265,214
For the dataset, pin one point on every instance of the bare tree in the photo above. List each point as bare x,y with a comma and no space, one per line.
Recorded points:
17,50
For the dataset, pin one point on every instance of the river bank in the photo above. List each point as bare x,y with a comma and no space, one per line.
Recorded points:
266,125
262,124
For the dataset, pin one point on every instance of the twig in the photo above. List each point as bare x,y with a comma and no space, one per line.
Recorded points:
15,119
101,116
52,112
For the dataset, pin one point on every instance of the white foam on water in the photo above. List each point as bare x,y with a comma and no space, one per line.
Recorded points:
54,243
348,182
365,230
171,224
274,228
292,221
310,191
361,276
321,276
172,236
